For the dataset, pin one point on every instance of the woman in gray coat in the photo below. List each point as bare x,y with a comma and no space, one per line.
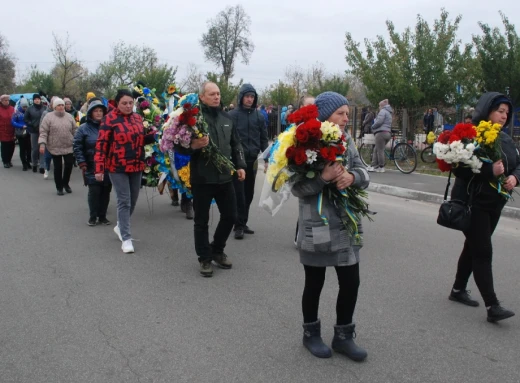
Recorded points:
323,245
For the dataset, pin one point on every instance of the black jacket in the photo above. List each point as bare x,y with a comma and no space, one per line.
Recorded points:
223,133
32,118
85,147
250,125
484,195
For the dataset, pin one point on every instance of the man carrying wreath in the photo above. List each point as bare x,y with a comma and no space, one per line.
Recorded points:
209,182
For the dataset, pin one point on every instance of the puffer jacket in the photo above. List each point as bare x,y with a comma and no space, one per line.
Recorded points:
32,118
85,141
383,122
120,143
223,133
484,196
329,244
250,125
17,120
57,133
6,127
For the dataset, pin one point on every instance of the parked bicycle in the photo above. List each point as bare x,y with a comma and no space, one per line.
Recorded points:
402,154
427,154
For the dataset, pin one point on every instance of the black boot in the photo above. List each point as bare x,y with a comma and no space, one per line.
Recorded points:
462,296
313,342
497,312
343,343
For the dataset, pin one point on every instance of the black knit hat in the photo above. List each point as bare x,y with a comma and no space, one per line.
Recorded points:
36,95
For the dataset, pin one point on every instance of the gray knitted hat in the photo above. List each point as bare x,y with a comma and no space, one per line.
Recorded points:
327,103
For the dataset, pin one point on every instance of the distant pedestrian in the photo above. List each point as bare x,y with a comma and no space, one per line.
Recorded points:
23,137
438,120
468,119
428,120
368,121
85,141
57,131
7,143
32,118
381,129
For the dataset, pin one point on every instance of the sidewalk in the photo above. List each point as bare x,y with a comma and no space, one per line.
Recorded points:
424,187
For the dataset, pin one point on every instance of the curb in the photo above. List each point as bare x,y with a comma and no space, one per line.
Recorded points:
511,212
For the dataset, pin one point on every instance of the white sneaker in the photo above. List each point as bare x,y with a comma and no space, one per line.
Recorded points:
380,170
127,246
370,169
118,232
46,175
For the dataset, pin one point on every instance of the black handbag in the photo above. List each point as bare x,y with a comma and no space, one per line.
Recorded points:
455,214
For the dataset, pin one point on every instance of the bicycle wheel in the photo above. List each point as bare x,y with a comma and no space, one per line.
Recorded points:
405,158
365,153
427,155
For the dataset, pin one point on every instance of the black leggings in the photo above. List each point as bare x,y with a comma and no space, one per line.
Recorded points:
477,255
348,279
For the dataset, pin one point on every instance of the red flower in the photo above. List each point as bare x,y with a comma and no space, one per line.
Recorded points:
329,153
290,153
192,121
302,135
341,149
186,106
300,157
443,165
195,111
304,114
444,137
313,124
465,131
315,134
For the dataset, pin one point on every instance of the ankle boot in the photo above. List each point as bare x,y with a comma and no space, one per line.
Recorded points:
313,342
343,343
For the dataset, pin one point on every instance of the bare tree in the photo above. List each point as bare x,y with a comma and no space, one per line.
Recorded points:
7,68
193,79
68,69
296,79
228,36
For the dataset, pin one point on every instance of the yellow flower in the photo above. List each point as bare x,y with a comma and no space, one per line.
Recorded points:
146,112
171,89
145,124
138,90
330,131
167,161
431,138
155,101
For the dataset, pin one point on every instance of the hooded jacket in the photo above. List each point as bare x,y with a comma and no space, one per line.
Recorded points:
32,118
18,120
283,115
383,122
85,145
484,196
6,127
250,125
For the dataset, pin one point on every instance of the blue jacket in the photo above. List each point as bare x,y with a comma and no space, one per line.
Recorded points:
18,119
85,147
282,116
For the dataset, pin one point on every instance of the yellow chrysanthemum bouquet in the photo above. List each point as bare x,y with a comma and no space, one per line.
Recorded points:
490,151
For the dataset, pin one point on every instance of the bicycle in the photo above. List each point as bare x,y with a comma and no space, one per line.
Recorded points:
402,153
427,154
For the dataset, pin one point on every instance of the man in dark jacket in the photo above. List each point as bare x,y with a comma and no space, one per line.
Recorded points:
84,150
32,118
208,183
250,125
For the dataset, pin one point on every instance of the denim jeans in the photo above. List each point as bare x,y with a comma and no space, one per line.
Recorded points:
127,187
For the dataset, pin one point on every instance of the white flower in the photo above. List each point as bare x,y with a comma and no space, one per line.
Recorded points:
311,156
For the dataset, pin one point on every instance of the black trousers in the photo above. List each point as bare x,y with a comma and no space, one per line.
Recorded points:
348,280
7,151
61,173
245,191
224,196
477,255
98,199
25,149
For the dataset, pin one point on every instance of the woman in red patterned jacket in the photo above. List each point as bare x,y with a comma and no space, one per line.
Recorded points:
120,150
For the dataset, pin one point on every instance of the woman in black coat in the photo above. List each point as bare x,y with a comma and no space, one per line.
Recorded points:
84,149
487,205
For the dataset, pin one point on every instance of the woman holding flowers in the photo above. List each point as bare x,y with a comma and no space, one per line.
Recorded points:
323,238
120,150
488,191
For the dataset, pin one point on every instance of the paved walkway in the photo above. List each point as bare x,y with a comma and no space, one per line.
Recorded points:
424,187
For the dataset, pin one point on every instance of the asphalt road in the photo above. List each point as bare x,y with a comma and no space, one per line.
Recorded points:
74,308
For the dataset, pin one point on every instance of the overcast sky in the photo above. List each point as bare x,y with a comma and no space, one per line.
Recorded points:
284,32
